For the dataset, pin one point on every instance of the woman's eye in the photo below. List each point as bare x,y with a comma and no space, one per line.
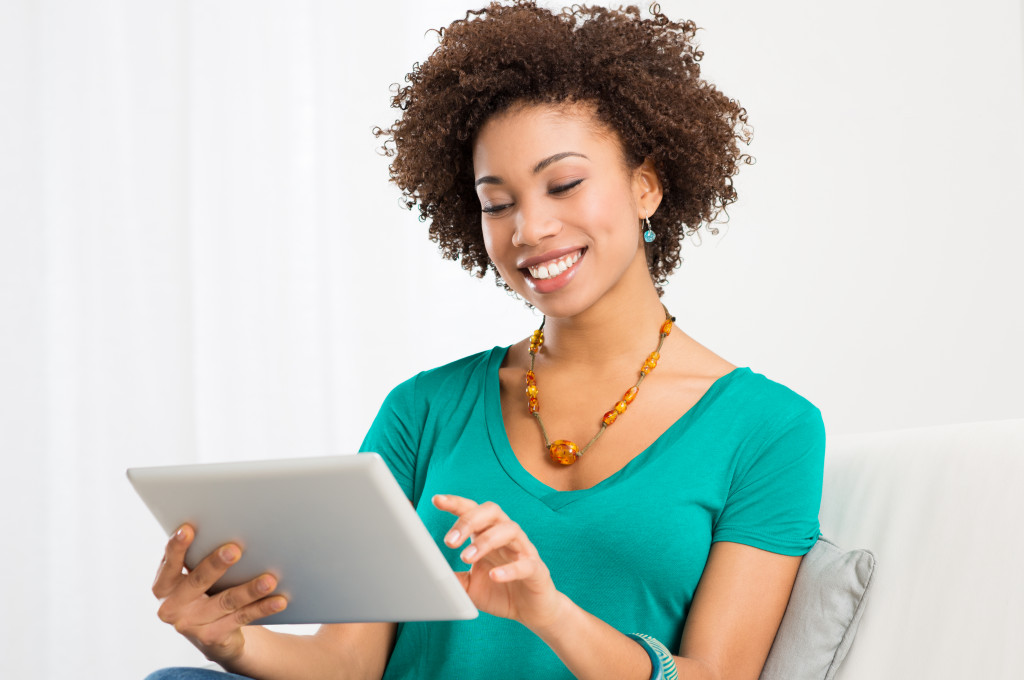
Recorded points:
490,209
565,187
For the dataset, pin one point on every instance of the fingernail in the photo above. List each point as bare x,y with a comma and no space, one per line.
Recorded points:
264,584
468,553
277,604
440,498
229,554
179,535
497,572
452,538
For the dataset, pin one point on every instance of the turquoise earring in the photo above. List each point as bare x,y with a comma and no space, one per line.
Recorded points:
649,234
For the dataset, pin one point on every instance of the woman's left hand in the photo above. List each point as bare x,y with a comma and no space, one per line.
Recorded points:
506,577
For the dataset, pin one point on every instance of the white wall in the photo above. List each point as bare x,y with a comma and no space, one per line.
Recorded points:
200,257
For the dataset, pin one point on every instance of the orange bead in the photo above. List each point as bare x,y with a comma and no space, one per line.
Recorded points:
531,389
621,406
630,394
610,417
564,452
666,327
534,405
654,357
645,369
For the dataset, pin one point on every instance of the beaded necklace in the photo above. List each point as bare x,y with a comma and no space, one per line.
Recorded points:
563,451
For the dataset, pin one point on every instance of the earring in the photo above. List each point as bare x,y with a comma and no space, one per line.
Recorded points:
649,234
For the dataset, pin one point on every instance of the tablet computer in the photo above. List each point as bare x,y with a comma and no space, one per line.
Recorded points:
338,532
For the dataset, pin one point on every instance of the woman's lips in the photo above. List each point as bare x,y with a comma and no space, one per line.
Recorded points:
554,273
552,268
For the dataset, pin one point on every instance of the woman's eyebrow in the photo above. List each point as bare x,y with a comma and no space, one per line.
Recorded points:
557,157
491,179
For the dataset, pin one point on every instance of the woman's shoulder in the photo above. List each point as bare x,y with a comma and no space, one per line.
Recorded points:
468,370
741,391
760,390
767,409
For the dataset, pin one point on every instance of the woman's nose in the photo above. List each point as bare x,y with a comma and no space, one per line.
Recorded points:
533,226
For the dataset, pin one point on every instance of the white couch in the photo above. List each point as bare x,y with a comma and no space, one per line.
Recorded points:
942,509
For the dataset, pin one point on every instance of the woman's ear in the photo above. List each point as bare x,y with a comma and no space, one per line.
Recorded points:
647,188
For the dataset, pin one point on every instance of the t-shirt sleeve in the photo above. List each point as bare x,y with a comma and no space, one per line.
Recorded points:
775,495
396,433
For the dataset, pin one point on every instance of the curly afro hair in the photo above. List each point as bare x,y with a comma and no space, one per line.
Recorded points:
641,74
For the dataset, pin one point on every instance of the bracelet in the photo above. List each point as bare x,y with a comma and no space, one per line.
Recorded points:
662,664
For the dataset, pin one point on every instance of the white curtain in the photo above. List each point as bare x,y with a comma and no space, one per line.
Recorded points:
201,259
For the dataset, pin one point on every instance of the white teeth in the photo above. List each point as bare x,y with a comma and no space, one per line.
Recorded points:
546,271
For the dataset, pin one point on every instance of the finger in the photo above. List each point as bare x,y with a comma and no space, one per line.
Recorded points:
457,505
233,600
503,534
168,574
463,577
207,572
519,570
473,518
213,634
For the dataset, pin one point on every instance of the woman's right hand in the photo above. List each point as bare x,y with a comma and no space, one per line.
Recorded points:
213,623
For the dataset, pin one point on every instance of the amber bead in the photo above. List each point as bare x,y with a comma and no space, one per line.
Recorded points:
610,417
530,377
564,452
531,389
621,406
666,327
630,394
534,405
654,357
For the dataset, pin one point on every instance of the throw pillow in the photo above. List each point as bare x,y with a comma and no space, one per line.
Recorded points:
823,613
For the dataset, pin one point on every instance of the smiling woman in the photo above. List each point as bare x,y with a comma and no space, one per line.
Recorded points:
569,153
641,78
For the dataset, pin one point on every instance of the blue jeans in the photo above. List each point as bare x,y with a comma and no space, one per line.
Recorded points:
192,674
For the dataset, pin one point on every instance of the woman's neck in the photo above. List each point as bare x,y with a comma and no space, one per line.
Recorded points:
607,333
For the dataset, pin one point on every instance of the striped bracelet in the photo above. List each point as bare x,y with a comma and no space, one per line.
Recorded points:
662,664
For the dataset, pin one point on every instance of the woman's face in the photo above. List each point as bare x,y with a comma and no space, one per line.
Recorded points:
560,208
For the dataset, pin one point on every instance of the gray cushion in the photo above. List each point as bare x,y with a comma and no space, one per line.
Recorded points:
824,610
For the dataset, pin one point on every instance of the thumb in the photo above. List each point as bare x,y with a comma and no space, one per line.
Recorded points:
463,577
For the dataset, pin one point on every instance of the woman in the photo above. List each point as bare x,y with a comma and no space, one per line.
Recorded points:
607,475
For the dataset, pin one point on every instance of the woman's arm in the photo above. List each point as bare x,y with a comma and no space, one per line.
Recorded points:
341,651
737,609
217,624
732,621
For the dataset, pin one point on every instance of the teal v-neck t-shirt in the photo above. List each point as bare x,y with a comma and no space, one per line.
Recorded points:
744,464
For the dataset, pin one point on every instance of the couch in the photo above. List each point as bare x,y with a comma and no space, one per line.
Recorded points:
941,508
